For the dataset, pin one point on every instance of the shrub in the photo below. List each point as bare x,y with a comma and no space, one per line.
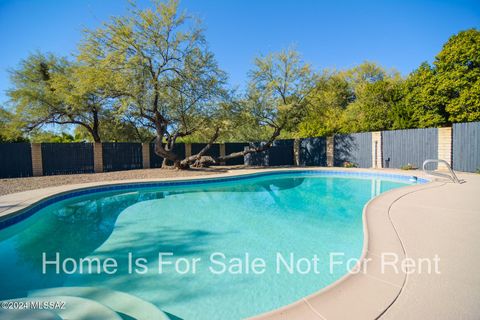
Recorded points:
408,166
348,164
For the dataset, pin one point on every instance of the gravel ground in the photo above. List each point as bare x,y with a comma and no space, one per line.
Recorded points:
23,184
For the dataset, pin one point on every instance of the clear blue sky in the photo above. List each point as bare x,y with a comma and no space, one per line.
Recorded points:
329,34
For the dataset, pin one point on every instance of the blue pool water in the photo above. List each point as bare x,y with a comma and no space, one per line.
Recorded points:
279,218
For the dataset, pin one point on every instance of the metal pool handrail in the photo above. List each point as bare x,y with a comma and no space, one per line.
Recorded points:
452,176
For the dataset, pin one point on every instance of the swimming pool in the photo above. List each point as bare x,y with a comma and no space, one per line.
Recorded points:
260,241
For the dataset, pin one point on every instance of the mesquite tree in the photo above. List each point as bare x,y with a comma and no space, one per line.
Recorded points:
52,90
171,83
170,80
279,84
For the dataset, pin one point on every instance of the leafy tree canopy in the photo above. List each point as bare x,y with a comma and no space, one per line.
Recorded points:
457,69
52,90
9,131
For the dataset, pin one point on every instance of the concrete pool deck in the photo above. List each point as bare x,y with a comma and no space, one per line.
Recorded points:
421,221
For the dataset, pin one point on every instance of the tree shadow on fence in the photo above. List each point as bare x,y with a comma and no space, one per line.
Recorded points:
313,152
345,150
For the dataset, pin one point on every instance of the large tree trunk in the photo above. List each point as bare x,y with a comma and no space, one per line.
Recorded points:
260,148
165,153
165,163
96,125
93,132
96,137
199,160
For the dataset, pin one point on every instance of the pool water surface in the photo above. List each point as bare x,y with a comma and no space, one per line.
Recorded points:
290,224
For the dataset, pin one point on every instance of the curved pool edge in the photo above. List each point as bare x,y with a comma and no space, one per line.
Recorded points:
19,206
362,296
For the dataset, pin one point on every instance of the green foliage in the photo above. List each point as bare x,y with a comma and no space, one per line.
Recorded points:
422,101
367,72
408,166
9,131
325,106
431,96
458,73
448,91
238,124
48,136
365,98
114,129
32,94
279,86
348,164
377,94
52,90
166,78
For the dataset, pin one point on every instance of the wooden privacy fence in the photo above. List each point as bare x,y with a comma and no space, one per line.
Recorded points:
67,158
15,160
119,156
466,146
312,152
458,145
355,148
403,147
281,153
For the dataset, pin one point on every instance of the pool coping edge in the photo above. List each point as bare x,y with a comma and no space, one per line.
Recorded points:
351,296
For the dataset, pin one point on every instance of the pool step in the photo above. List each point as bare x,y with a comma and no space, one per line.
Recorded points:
75,308
121,302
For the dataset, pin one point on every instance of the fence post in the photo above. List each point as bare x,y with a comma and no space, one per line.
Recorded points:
445,147
188,150
37,162
222,152
97,157
330,151
146,155
377,150
296,152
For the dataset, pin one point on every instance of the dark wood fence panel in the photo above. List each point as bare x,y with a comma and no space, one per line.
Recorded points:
67,158
313,152
355,148
466,146
280,154
413,146
214,150
119,156
15,160
232,147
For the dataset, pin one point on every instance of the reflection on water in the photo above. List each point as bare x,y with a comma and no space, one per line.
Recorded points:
76,227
